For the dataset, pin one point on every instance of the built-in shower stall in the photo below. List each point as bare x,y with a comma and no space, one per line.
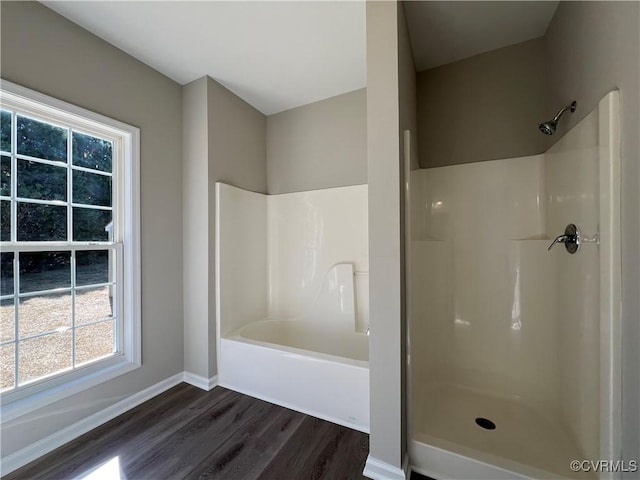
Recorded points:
513,345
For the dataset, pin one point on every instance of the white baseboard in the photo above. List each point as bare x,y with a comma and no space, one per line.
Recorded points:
379,470
199,381
43,446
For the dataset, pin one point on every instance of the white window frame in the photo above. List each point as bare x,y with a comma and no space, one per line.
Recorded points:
126,178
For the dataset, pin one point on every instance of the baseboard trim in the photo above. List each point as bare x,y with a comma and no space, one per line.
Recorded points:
379,470
200,381
45,445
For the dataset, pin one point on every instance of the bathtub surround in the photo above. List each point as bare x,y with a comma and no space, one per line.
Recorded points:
308,235
287,299
277,252
488,298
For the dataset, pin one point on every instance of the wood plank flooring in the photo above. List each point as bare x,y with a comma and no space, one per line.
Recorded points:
187,433
417,476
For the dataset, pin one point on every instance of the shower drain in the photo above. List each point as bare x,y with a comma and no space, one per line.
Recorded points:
485,423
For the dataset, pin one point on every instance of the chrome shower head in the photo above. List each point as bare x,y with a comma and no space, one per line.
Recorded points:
549,128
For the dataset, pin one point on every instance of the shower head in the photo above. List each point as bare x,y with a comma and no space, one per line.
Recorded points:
549,128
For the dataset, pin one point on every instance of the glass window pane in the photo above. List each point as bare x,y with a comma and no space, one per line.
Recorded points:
91,188
5,176
41,181
92,267
7,320
44,313
5,220
89,225
43,356
93,304
7,366
44,271
92,152
6,273
5,131
41,140
41,223
94,341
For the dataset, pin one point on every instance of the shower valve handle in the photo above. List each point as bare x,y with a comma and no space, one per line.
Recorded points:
571,239
560,239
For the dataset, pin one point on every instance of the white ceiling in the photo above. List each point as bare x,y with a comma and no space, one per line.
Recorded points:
274,55
280,55
443,32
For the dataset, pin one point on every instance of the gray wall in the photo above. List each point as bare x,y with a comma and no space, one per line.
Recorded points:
386,359
224,140
592,48
237,140
43,51
484,107
320,145
198,245
408,93
237,156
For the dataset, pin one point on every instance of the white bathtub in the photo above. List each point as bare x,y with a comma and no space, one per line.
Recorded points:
302,366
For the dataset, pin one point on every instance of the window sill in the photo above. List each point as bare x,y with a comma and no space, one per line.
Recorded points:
40,394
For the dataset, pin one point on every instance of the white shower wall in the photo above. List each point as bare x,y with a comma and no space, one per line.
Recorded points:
275,252
573,196
291,299
242,266
492,309
479,227
308,233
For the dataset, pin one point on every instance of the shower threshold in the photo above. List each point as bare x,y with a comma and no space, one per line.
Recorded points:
463,433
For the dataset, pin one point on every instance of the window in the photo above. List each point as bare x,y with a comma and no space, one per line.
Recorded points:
69,277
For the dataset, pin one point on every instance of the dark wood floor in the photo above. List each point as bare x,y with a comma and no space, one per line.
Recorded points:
188,433
417,476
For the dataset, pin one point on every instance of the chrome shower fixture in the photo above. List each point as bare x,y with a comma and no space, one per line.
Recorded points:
549,128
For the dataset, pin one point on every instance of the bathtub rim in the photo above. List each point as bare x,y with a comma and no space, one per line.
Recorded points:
237,336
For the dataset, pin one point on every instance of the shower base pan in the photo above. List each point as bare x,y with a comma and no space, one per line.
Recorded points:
453,438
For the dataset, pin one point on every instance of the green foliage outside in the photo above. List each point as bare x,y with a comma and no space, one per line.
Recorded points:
38,222
5,131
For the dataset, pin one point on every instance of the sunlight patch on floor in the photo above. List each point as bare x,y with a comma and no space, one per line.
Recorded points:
109,470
